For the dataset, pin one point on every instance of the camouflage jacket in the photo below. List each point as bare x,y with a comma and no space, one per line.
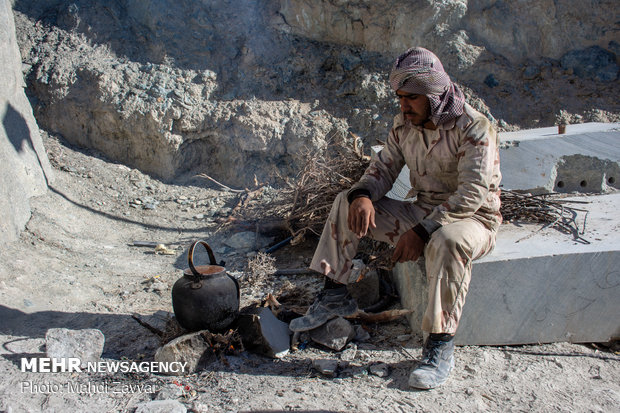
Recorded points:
455,177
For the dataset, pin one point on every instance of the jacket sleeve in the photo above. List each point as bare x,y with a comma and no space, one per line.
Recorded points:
383,169
476,156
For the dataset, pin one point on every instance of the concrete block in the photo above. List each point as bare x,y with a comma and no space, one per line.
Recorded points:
537,286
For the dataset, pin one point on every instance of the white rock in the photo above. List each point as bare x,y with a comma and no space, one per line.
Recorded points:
87,345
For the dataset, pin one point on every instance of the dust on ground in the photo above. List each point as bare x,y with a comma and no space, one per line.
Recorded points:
76,267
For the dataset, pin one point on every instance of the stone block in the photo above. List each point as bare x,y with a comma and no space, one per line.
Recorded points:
87,345
537,286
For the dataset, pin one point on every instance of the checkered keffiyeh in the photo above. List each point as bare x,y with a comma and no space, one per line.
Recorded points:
420,72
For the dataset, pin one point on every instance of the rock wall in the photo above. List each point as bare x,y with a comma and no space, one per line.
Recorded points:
24,167
515,30
244,90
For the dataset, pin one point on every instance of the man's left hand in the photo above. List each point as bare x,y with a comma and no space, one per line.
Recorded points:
408,248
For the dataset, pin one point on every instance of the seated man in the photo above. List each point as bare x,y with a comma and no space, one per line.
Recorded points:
452,153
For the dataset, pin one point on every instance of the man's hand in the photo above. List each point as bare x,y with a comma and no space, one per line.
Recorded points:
408,248
361,216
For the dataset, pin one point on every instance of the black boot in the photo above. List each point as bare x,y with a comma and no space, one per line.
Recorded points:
436,364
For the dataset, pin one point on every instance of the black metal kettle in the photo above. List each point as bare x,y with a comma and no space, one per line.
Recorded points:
206,297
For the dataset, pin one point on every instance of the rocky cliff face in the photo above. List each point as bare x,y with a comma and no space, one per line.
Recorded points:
24,169
238,89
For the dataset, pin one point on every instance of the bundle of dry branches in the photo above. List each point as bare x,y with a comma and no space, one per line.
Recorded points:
321,180
304,203
547,209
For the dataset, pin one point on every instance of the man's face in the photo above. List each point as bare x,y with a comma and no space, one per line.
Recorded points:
416,108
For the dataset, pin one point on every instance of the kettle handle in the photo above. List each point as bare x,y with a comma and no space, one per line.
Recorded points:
190,256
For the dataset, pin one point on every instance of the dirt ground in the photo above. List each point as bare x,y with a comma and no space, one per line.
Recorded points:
76,267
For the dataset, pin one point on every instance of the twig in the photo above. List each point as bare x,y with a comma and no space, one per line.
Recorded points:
224,187
149,327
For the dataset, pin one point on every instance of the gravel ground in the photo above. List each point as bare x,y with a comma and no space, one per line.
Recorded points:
76,267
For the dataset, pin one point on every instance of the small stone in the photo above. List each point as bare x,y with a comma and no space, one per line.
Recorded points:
349,353
380,370
150,203
326,367
169,392
199,216
159,286
334,334
404,337
161,406
361,335
87,345
469,391
490,81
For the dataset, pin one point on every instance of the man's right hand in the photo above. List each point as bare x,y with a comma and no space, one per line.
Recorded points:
361,216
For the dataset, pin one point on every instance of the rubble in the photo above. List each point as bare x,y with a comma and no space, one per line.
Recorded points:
87,345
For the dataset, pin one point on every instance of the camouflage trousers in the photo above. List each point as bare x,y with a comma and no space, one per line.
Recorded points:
448,254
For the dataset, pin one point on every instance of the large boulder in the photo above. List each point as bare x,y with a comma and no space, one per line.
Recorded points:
24,168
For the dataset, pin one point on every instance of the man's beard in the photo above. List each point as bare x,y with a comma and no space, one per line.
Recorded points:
410,123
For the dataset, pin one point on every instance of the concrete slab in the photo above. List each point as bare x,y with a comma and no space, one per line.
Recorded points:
537,286
585,159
